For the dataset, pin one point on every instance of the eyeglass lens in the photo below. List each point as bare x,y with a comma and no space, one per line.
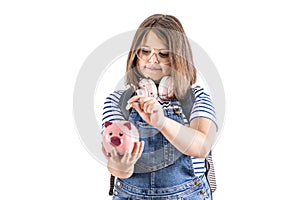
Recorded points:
145,53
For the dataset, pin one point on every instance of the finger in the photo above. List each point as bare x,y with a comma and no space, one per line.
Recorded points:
155,107
137,107
141,147
143,100
137,151
134,99
144,116
114,153
140,150
152,106
135,148
104,152
131,101
126,157
148,106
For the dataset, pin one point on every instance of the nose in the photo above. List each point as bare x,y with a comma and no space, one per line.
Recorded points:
153,58
115,141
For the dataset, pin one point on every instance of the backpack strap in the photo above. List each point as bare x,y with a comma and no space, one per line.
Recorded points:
112,184
210,172
187,103
125,96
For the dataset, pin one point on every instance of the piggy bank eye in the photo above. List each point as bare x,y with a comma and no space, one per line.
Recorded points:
121,134
110,133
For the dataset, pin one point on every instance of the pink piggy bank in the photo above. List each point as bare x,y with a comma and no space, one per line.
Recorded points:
121,135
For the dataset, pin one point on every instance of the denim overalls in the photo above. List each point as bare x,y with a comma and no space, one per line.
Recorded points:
162,172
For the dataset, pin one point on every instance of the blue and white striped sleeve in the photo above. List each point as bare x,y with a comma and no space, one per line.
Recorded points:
203,106
111,109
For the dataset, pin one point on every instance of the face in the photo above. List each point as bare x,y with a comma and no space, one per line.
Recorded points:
153,58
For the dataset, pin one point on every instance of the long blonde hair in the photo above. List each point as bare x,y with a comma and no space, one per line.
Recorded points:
169,29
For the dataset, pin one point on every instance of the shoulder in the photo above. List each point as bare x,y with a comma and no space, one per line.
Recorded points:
199,91
117,97
203,105
201,94
111,109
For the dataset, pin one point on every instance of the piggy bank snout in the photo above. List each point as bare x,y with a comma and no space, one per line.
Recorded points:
116,141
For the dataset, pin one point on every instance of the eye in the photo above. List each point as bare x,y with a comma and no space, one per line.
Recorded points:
164,55
146,51
110,133
121,134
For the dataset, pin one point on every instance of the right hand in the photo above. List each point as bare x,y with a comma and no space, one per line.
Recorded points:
149,109
124,163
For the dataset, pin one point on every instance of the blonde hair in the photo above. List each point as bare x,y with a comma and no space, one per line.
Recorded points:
169,29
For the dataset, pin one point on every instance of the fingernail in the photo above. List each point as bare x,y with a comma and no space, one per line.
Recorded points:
128,106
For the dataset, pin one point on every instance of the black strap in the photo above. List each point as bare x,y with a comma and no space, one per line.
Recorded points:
126,95
112,184
187,103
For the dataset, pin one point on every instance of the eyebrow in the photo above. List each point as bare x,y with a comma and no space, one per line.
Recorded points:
154,48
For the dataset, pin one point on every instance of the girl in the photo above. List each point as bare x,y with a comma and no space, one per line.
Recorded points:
160,69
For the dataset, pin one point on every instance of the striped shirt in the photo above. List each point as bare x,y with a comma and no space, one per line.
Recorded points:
202,108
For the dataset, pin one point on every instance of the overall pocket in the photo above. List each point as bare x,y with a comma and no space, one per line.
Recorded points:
158,151
200,191
119,195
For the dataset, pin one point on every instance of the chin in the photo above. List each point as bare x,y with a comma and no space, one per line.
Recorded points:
154,78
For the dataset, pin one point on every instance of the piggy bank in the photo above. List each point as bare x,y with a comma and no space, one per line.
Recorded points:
120,135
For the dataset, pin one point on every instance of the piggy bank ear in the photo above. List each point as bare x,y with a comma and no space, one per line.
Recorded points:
106,124
128,125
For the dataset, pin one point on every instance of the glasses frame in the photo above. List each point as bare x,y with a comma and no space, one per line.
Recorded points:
158,53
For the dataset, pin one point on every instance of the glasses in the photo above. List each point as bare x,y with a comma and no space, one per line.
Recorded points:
145,53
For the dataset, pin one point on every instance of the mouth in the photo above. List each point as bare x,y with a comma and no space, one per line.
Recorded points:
153,68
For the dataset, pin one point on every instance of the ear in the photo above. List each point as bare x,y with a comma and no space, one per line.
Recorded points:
128,125
107,123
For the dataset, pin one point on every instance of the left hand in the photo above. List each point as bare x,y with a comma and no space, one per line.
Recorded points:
149,109
123,165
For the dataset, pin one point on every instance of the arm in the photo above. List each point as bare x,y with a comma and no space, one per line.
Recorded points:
119,166
195,140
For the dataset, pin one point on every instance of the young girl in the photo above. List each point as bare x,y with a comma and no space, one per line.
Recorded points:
160,69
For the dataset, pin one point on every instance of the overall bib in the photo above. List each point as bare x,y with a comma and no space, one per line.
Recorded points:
162,172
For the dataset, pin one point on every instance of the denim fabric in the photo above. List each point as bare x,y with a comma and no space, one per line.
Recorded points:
162,172
196,189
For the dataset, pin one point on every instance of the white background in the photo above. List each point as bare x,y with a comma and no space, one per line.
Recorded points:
254,45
